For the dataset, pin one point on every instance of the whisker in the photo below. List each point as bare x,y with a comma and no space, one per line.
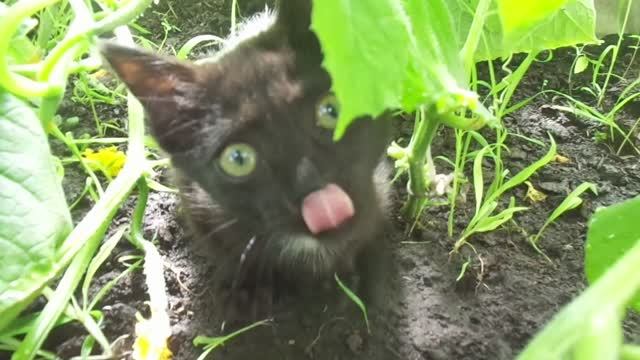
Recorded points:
221,227
243,258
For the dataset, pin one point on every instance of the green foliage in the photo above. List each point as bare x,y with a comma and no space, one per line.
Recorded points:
572,201
186,49
408,55
211,343
391,54
33,212
37,239
385,55
356,300
516,26
516,15
21,49
612,232
590,327
483,220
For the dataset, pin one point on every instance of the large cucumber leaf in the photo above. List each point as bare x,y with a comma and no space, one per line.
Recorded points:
518,14
391,54
34,217
365,46
612,232
400,54
517,27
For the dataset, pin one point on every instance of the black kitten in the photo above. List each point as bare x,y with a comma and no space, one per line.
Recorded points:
250,133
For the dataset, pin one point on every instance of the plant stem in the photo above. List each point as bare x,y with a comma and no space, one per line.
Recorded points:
564,329
514,81
424,131
234,8
123,16
9,23
614,56
138,214
475,33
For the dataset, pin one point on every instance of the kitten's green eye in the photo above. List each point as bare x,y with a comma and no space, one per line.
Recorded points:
328,112
238,160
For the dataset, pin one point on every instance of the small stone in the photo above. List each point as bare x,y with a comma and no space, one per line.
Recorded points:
355,342
518,154
554,187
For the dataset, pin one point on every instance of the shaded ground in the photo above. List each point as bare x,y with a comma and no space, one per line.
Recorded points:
490,314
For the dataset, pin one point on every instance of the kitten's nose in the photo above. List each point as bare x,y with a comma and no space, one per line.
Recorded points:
307,177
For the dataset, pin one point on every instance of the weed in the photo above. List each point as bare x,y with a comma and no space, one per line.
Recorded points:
572,201
211,343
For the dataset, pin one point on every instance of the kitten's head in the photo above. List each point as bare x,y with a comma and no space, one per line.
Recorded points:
254,130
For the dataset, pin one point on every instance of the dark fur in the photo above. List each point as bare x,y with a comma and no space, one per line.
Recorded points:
263,92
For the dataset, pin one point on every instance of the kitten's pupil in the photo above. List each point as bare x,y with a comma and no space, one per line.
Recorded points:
238,157
330,110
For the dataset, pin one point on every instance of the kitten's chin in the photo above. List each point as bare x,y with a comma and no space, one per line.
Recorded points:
307,253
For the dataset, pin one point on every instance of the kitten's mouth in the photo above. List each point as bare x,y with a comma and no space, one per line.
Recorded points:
327,209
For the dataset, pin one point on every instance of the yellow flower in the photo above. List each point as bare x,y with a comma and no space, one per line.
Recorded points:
151,341
108,160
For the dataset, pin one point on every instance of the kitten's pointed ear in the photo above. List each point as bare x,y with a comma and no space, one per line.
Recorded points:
167,88
295,17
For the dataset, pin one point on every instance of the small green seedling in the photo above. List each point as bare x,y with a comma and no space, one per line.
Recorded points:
355,299
483,220
211,343
572,201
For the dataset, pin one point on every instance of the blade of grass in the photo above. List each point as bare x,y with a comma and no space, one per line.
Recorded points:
526,173
355,299
186,49
478,180
572,201
211,343
97,261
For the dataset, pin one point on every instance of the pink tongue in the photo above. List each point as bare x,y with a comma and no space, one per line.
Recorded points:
327,208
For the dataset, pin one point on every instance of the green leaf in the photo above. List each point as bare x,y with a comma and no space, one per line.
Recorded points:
97,261
390,54
525,173
478,180
34,218
572,201
571,24
186,49
602,336
516,14
491,223
611,16
356,300
21,49
365,47
612,232
211,343
582,62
